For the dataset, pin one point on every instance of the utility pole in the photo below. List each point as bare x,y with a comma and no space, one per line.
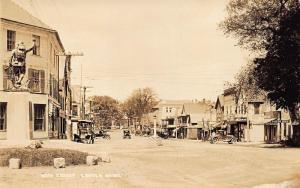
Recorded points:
84,99
67,91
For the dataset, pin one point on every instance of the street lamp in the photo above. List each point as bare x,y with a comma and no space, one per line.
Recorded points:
154,118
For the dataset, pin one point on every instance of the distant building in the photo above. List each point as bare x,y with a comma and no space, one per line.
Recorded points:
196,119
219,106
252,120
167,111
32,114
76,102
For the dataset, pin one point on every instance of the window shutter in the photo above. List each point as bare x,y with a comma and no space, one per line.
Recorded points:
30,121
42,81
50,84
30,79
5,77
30,111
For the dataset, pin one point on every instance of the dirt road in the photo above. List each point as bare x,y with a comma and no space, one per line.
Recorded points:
140,162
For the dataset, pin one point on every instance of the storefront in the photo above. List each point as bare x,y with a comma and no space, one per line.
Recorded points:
237,128
277,130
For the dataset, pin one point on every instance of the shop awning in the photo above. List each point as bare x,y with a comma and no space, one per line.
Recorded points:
219,124
171,126
195,127
273,121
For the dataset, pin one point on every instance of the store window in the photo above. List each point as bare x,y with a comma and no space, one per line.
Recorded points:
75,110
39,117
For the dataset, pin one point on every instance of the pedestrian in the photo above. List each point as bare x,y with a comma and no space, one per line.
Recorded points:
213,135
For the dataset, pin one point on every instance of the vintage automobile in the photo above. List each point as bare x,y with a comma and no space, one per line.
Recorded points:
126,134
163,134
102,134
222,137
85,132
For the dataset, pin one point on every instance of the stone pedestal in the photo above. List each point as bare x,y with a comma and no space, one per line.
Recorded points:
14,163
59,162
18,129
92,160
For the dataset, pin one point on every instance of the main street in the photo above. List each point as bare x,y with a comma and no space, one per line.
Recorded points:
140,162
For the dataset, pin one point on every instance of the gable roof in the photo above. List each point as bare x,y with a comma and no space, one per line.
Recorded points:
196,111
229,91
13,12
220,100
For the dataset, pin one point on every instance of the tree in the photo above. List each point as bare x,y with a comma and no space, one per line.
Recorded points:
270,29
128,110
106,110
279,71
140,102
245,85
254,22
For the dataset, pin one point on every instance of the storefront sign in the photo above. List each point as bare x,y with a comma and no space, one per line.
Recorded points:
276,121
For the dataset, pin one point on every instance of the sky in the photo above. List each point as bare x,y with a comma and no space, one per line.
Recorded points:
172,46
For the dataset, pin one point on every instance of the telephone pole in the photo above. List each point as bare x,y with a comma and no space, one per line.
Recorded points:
68,91
84,99
67,79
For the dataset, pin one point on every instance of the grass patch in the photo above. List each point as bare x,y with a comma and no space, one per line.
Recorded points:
42,156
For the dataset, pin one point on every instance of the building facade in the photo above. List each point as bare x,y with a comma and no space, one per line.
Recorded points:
32,113
197,119
252,120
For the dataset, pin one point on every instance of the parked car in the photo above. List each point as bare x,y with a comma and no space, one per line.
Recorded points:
126,134
85,132
230,139
102,134
163,134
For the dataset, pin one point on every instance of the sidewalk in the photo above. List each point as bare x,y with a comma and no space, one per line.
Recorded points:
243,144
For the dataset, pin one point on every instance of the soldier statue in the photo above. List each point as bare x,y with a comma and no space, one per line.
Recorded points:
17,63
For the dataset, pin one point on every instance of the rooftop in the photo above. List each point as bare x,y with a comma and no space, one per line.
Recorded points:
10,10
13,12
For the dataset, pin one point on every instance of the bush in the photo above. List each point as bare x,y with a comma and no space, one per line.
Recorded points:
41,157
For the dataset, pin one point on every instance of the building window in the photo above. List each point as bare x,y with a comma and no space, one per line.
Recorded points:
256,108
39,117
36,80
36,50
11,40
75,110
3,116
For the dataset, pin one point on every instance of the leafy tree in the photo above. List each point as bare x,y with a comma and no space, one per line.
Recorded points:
128,109
270,29
139,103
254,22
279,71
245,85
106,110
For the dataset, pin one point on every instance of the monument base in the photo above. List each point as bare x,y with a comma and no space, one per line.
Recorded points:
18,129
